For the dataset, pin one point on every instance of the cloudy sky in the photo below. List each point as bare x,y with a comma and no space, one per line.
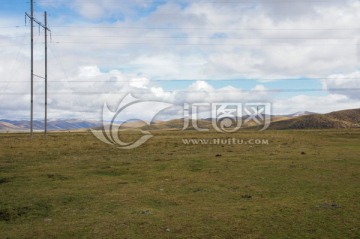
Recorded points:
297,55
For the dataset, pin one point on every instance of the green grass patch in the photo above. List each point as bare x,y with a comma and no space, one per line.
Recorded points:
303,184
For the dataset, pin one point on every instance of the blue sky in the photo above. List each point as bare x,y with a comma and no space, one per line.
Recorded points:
170,50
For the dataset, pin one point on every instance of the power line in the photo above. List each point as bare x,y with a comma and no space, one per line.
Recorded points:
202,91
205,44
24,44
12,37
194,28
207,1
207,28
264,80
211,37
12,26
222,29
224,44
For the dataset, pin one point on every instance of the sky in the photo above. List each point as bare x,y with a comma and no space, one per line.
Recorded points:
296,55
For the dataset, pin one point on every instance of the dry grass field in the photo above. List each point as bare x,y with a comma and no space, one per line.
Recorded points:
302,184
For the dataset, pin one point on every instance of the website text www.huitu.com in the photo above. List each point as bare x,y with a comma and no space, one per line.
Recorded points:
225,141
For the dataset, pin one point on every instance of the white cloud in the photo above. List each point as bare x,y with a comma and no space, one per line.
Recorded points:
88,72
250,47
346,84
141,83
318,104
201,86
200,40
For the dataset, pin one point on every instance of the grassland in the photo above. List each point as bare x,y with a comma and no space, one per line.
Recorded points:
303,184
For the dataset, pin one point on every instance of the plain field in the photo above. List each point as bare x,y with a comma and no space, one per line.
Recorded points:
303,184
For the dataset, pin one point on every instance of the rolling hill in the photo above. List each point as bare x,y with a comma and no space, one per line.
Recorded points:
299,120
333,120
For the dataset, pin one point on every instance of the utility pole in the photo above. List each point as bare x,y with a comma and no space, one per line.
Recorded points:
46,29
46,68
32,69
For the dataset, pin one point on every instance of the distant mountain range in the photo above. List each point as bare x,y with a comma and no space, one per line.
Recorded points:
53,125
298,120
